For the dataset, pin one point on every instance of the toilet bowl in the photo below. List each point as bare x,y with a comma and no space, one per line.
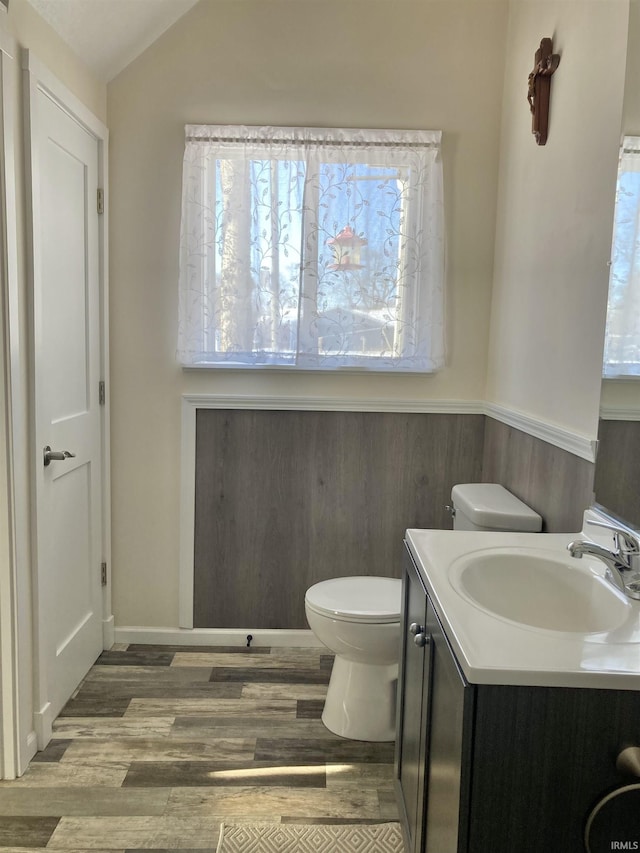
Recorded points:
358,618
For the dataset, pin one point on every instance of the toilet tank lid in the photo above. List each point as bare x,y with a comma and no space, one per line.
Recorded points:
491,505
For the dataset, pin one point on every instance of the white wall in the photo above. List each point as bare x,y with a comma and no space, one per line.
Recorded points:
28,30
431,64
555,209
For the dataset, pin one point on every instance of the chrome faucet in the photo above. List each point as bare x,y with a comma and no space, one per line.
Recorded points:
622,562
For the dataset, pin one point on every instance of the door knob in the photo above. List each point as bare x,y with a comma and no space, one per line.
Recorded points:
421,640
414,628
55,455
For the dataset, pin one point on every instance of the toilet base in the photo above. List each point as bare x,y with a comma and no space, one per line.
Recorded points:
361,700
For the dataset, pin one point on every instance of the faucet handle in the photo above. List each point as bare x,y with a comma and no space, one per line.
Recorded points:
625,541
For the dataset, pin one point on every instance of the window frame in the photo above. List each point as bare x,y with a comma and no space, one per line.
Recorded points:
612,368
246,143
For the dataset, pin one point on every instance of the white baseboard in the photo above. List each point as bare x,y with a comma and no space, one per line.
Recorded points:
108,632
43,725
28,751
216,636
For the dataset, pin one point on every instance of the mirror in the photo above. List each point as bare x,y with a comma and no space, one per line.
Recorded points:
617,478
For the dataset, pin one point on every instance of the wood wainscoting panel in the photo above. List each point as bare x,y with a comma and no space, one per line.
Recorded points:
284,499
618,469
555,483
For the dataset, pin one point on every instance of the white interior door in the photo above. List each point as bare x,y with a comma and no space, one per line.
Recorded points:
67,418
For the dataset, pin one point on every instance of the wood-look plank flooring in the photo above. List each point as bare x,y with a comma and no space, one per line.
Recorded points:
160,744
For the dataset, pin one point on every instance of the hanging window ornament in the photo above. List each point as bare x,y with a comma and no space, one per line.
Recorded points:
346,248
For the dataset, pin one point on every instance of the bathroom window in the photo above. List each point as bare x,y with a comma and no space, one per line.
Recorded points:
622,339
314,249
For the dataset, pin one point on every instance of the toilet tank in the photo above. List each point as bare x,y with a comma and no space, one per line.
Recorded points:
489,506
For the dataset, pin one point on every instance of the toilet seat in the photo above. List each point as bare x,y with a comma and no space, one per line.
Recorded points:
357,599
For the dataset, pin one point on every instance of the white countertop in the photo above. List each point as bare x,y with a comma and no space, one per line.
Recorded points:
493,650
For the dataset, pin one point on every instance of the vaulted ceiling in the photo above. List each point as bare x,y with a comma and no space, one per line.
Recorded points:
109,34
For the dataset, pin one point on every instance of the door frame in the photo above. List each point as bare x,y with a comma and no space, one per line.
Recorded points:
39,80
16,744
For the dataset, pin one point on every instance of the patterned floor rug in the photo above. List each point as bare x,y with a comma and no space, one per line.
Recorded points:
297,838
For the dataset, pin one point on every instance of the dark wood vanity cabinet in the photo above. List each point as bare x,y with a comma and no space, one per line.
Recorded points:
434,735
498,768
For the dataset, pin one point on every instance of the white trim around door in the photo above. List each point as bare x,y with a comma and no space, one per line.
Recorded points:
17,739
40,82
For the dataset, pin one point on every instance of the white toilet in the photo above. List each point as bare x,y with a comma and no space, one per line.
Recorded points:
358,618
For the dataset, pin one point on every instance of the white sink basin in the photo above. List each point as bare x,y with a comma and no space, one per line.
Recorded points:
533,588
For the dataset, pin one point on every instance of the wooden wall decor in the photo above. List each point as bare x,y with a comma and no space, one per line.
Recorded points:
545,63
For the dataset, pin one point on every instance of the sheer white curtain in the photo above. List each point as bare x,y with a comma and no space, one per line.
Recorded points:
622,339
312,248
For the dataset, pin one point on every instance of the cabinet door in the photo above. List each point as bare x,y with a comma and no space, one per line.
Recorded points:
411,729
450,707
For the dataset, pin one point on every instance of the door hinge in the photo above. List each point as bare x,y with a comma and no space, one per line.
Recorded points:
100,201
103,574
102,392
